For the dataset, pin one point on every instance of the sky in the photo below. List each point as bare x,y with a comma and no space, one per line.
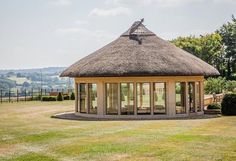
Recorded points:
53,33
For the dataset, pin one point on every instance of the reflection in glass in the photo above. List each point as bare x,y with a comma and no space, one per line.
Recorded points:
127,98
191,96
198,100
92,98
83,95
180,97
159,93
112,98
143,98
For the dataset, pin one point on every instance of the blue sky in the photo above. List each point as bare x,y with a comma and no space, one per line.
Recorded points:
47,33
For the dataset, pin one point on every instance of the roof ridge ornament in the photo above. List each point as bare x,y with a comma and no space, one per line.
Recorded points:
134,27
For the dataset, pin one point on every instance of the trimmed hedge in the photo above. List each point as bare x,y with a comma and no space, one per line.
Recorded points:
66,97
228,104
59,97
49,98
72,96
214,106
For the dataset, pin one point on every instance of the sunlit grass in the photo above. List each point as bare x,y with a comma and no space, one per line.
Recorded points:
27,132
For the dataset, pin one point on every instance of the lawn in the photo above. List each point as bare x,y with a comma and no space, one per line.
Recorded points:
27,132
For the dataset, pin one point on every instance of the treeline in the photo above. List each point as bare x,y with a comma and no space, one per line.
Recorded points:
217,49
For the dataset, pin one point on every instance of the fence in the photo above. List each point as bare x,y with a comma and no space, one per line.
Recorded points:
30,94
209,99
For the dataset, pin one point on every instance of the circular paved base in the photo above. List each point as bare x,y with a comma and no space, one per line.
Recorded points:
72,116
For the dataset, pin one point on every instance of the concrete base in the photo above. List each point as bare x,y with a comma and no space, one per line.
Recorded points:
138,117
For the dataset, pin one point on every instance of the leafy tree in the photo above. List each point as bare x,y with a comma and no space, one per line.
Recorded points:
72,96
228,34
215,85
6,84
208,48
59,97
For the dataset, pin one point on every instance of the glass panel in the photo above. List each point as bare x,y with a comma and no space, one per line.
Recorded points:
127,98
198,100
112,98
180,97
83,95
191,96
92,98
143,98
159,93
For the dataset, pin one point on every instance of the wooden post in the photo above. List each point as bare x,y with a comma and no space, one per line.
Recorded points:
45,91
32,94
41,94
9,95
17,95
1,96
25,94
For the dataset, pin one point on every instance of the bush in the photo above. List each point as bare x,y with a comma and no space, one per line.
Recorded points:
59,97
215,85
228,104
214,106
66,97
72,96
49,98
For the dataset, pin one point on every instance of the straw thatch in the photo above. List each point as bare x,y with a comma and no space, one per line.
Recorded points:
152,57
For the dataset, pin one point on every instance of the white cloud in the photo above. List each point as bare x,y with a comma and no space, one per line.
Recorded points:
159,3
163,3
61,2
110,12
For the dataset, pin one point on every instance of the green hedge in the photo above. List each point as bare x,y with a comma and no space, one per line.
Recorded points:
228,104
49,98
214,106
59,97
72,96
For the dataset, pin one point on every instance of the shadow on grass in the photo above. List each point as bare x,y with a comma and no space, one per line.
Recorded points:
72,116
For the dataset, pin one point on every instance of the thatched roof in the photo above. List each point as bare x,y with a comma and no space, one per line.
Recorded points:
153,56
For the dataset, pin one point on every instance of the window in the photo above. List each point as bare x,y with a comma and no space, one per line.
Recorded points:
191,96
143,98
180,97
82,100
92,98
127,98
159,94
198,97
112,98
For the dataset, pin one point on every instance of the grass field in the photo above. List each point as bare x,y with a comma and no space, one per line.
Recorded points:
28,133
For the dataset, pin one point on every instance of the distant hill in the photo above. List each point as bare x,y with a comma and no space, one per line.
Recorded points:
48,70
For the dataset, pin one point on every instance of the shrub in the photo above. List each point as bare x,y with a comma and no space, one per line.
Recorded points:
66,97
72,96
215,85
49,98
231,86
214,106
59,97
228,104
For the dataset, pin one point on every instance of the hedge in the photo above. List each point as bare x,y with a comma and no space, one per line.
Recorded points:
228,104
213,106
49,98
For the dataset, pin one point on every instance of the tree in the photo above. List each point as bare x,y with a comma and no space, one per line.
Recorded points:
228,34
208,48
25,85
59,97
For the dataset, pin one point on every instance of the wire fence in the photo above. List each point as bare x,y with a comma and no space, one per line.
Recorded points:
30,94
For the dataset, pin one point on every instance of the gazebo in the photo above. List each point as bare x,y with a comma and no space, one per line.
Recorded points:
139,75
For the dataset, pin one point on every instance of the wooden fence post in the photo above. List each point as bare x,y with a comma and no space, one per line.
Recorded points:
45,92
17,95
32,94
1,96
9,95
25,94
